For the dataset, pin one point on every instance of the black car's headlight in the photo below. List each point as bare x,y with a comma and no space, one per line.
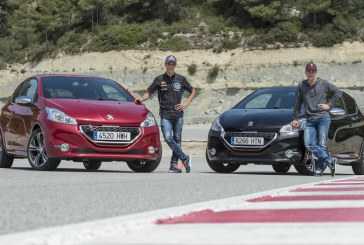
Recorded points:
287,131
216,126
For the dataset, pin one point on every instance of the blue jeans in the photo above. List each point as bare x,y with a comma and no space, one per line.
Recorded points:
172,132
316,135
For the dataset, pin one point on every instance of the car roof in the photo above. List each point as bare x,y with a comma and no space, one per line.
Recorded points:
280,88
66,75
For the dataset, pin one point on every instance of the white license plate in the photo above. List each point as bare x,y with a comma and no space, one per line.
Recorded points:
112,136
255,141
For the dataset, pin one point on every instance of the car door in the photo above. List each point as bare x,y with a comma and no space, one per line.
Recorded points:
21,116
344,141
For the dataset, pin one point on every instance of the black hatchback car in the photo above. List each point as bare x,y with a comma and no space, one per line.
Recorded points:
257,130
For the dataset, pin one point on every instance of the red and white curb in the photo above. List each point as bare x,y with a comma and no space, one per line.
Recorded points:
328,212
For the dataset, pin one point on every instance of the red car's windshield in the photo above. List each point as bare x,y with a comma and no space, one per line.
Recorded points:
89,88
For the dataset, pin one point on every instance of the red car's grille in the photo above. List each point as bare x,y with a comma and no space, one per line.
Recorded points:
89,132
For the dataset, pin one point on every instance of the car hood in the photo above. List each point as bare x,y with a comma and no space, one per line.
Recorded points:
93,111
257,120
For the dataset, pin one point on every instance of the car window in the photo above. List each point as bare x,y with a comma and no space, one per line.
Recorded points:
261,101
28,89
112,93
339,103
88,88
270,99
350,104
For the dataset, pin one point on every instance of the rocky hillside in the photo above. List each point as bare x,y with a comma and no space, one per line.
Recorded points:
222,79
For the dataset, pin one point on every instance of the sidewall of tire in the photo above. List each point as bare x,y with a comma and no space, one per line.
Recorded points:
52,163
281,168
358,167
150,166
218,167
6,160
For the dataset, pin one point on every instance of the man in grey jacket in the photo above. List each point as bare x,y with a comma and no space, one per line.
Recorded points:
317,96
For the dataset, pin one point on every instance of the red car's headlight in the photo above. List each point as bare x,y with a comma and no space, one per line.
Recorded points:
58,116
149,121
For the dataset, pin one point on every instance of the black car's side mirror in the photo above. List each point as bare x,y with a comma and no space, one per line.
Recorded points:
23,100
337,112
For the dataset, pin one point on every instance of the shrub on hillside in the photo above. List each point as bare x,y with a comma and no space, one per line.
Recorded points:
72,42
213,73
327,37
192,69
116,37
176,44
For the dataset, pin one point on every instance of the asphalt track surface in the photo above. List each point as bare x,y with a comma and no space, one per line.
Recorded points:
32,199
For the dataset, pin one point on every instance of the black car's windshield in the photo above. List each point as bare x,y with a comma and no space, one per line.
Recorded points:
88,88
269,99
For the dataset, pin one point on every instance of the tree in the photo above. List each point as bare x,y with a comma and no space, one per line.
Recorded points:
4,12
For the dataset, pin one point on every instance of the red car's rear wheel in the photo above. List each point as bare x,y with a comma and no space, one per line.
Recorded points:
6,160
92,165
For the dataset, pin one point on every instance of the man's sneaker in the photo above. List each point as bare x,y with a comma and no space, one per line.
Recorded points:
332,166
187,164
174,169
318,172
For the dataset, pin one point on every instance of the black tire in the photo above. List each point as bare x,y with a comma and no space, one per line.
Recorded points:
92,165
358,167
144,166
220,167
305,168
281,168
37,155
6,160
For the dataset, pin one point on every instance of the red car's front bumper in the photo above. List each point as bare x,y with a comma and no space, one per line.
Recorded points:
80,147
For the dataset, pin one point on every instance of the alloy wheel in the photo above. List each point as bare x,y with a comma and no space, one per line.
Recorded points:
36,150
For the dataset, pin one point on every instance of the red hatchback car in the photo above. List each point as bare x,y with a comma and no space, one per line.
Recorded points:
87,119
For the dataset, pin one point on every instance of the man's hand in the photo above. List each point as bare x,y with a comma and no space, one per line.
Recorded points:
295,124
324,107
182,106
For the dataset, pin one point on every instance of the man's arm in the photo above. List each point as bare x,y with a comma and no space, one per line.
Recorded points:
335,94
298,104
150,90
183,106
186,86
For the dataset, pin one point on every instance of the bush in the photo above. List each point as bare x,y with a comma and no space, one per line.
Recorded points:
192,69
116,37
3,65
228,43
213,73
327,37
176,44
72,42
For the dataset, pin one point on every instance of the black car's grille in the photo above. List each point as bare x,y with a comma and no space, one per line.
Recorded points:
89,131
268,137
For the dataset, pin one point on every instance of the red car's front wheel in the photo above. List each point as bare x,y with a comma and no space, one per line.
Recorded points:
37,154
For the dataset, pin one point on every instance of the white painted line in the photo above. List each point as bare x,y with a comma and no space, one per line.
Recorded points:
129,225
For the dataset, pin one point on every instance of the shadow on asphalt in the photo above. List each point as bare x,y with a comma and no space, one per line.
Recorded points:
270,173
74,170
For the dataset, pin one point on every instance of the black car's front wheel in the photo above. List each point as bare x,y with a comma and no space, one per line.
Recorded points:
221,167
281,168
92,165
37,154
